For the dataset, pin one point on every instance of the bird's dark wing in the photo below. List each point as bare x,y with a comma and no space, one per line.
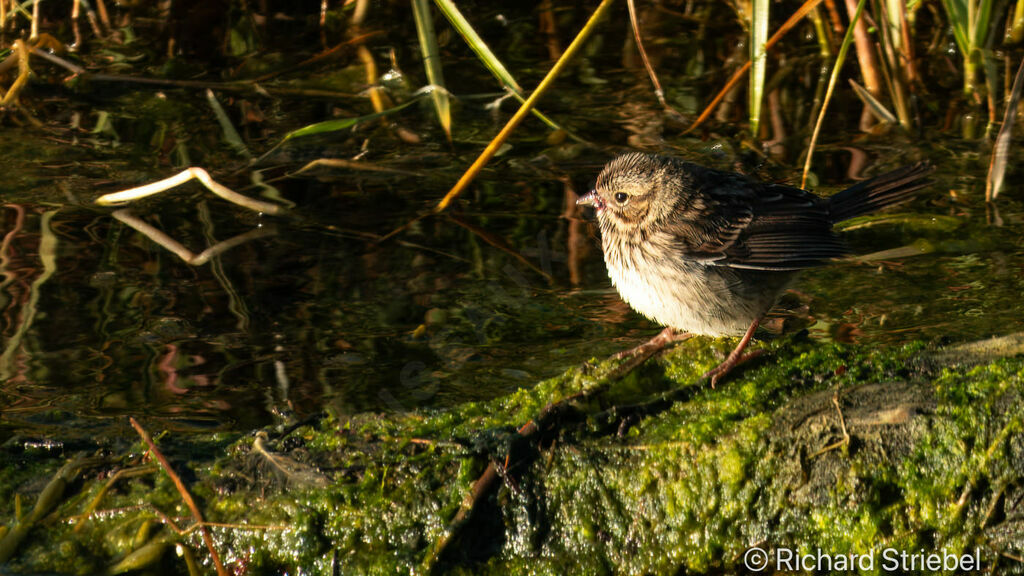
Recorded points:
729,220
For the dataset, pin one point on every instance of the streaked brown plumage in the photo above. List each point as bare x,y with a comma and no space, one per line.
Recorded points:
708,252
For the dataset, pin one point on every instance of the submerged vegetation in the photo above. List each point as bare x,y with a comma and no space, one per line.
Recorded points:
389,363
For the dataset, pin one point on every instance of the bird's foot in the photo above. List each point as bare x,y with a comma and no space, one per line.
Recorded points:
637,356
654,345
735,358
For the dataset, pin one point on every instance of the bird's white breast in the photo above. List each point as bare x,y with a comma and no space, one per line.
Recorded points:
673,291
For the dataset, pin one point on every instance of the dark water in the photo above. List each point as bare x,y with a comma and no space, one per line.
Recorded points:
98,322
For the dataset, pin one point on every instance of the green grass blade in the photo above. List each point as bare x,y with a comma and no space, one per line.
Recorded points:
893,36
982,22
342,123
821,32
477,44
956,14
897,58
758,38
432,64
840,58
333,126
487,57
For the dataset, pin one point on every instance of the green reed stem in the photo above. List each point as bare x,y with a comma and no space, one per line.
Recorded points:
432,64
758,38
840,58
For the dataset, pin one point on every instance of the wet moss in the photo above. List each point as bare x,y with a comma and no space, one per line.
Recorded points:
931,461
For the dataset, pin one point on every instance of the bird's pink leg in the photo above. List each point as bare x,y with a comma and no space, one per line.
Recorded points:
656,344
735,358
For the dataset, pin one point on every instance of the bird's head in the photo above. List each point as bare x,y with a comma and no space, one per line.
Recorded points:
634,192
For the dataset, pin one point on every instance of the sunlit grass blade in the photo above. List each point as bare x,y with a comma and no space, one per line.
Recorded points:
1016,30
432,64
807,6
758,38
877,108
477,44
378,97
894,21
821,32
230,134
513,122
486,56
840,58
1000,152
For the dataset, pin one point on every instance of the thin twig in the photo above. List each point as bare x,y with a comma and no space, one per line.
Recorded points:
321,56
487,481
842,426
196,514
659,93
842,420
533,432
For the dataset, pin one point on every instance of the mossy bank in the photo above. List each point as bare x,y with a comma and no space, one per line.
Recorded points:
842,449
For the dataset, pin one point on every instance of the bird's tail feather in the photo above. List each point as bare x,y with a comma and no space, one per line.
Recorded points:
881,191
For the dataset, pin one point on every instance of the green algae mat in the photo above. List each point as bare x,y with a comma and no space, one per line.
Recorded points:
815,456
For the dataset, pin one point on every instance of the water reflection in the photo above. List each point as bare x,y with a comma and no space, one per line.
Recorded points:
99,322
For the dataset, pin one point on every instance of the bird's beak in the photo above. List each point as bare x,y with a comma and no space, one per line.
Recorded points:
590,199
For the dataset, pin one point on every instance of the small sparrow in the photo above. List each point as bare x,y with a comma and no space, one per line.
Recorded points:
702,251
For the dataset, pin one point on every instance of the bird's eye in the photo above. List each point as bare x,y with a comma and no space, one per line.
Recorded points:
621,197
